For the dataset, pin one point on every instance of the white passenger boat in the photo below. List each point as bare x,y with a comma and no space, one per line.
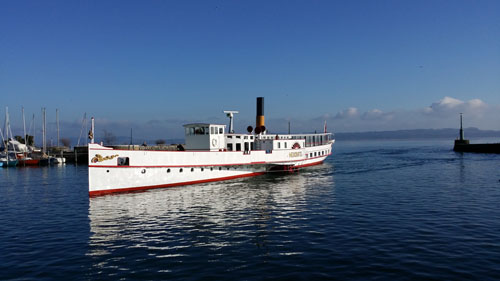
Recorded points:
210,154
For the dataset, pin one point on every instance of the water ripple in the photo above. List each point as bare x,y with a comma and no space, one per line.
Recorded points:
398,210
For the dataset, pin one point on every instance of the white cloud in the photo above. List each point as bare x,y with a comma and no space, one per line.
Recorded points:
347,113
377,114
451,106
441,114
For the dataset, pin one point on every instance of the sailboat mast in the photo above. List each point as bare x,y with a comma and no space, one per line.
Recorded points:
57,121
24,137
6,129
44,144
34,130
7,121
24,128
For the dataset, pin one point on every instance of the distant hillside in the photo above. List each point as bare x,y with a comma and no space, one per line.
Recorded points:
470,133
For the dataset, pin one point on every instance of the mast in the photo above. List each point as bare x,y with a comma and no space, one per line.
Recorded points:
84,121
24,128
57,121
25,138
6,129
34,130
44,142
91,133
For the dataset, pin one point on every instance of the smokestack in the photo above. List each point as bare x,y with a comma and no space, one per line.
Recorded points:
260,113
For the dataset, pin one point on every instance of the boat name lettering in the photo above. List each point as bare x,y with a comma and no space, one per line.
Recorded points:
99,158
295,154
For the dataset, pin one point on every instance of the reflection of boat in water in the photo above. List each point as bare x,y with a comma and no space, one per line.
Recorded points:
173,225
210,155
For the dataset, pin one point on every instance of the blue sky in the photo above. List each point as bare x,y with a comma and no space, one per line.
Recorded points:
153,65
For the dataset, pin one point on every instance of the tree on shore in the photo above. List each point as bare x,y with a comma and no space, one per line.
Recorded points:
66,142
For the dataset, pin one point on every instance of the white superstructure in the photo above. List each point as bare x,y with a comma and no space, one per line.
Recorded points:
210,155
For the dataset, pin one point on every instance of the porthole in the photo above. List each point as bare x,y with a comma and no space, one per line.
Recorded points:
107,171
211,168
143,171
220,168
180,170
168,170
192,169
202,169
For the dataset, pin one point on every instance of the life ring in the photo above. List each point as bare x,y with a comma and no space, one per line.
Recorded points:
214,142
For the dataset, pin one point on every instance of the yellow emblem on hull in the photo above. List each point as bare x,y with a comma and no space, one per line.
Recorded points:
99,158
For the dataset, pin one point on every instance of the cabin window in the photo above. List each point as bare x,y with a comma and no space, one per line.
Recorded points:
285,144
238,137
230,146
247,147
206,130
229,137
212,130
123,161
251,146
221,131
278,144
238,147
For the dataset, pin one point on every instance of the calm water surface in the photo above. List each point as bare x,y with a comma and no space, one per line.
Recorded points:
375,210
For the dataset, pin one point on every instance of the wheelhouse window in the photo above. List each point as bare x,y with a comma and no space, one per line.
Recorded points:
238,147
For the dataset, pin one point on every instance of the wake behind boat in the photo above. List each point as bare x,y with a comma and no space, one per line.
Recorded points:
210,154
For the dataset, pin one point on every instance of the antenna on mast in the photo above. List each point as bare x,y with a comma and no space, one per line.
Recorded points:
230,114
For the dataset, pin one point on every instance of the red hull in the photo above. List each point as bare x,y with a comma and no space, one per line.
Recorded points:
30,162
